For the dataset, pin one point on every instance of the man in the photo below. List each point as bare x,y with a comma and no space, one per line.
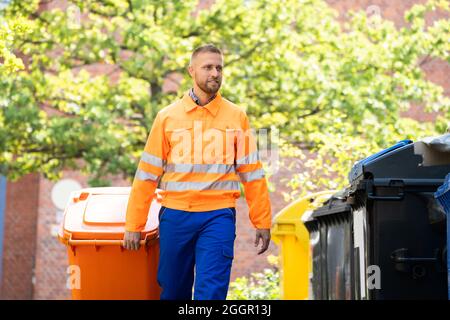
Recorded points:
197,152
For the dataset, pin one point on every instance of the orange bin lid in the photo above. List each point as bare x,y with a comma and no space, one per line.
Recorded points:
99,213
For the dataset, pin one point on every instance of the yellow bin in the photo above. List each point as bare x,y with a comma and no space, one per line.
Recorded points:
290,234
99,267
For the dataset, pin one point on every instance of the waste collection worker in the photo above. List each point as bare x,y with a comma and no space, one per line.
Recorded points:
199,150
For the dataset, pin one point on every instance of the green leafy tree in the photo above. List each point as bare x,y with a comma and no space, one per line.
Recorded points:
8,30
334,91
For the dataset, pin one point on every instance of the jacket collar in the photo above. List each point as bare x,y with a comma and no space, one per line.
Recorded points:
212,106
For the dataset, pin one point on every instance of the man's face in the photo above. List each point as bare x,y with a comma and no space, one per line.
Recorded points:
206,71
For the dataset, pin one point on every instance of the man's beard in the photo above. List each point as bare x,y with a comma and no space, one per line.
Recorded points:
210,87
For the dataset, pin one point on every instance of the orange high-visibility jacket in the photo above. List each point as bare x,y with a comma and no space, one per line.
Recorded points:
198,155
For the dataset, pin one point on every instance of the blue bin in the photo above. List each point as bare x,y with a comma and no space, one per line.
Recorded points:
442,195
358,168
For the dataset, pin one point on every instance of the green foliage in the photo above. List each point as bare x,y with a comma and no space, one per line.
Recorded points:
9,29
335,92
263,285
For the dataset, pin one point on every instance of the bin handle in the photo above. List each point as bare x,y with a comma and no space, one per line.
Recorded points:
400,196
395,183
94,242
101,242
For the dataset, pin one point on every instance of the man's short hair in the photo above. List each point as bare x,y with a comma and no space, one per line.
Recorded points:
205,48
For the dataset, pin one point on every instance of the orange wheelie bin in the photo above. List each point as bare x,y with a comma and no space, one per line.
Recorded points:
99,266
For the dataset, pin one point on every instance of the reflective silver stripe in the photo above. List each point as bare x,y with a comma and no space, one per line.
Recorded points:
142,175
252,175
215,185
252,158
151,159
203,168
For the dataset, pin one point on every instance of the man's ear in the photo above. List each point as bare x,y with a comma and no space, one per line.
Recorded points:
191,71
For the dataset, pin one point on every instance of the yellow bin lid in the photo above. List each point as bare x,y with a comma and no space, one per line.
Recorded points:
99,214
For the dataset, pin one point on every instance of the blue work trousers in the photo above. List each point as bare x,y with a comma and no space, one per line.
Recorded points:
200,243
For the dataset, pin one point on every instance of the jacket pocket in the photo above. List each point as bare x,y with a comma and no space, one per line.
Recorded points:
179,134
227,132
178,126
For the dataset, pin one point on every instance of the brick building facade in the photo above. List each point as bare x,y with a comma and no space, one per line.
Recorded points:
33,263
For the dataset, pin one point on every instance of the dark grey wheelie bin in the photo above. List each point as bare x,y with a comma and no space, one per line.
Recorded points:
384,237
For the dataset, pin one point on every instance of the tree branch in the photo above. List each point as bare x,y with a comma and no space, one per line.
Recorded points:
314,111
425,60
245,54
130,5
137,107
